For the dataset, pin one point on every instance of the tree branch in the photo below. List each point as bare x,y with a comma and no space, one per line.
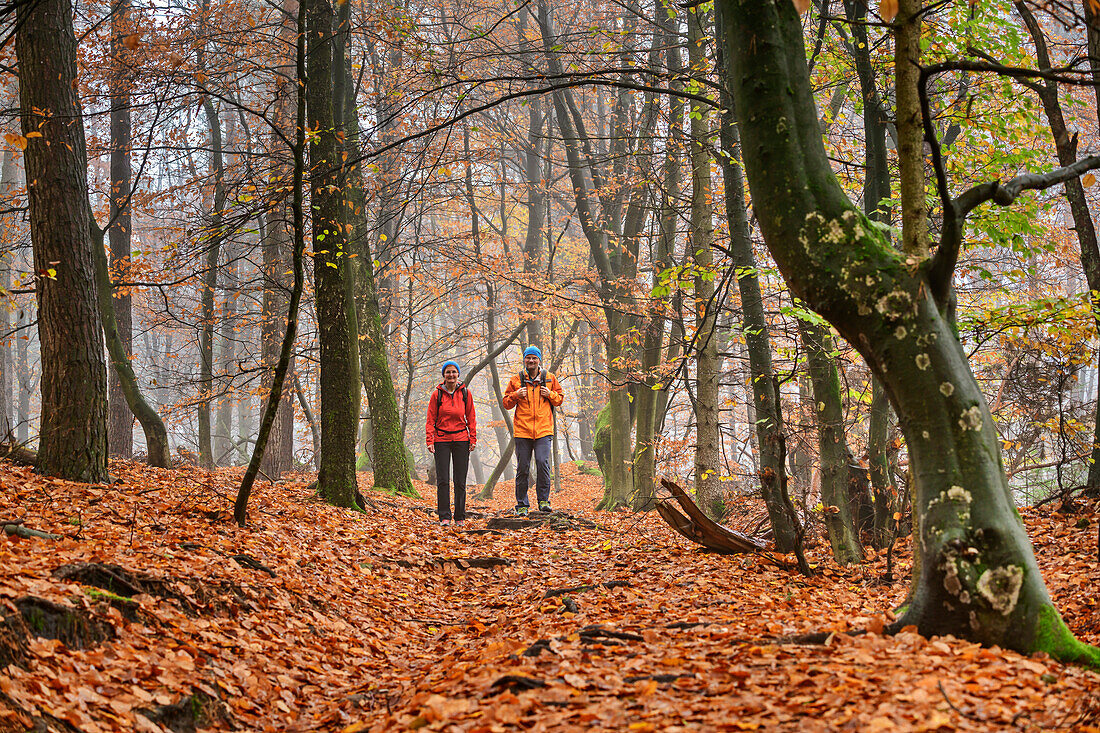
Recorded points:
942,264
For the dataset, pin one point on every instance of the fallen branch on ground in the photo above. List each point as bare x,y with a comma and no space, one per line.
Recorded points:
700,528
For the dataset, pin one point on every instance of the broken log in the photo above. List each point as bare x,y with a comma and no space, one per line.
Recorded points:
701,529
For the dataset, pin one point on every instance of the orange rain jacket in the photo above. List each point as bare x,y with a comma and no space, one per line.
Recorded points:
534,418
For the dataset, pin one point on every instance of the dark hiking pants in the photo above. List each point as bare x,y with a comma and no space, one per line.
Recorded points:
541,448
446,454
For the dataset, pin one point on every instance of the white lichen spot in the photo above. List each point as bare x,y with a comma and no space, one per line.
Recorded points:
895,304
924,434
964,598
864,309
958,493
923,361
1000,587
947,389
781,126
971,419
900,333
835,234
869,280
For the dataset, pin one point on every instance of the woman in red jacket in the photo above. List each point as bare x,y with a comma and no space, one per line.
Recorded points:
451,434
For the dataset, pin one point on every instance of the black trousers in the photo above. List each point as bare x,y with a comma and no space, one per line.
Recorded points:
446,454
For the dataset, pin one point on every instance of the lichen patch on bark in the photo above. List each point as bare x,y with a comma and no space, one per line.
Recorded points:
1000,587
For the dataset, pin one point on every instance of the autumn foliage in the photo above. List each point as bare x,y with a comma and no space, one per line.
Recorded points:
317,618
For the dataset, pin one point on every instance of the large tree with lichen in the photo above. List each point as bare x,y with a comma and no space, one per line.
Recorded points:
976,574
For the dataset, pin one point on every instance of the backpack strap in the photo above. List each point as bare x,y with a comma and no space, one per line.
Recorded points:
439,403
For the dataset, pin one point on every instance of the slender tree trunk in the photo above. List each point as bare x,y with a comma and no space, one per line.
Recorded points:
286,353
766,409
156,436
876,190
7,360
210,284
23,376
226,335
120,423
649,397
832,445
332,269
979,579
707,454
73,430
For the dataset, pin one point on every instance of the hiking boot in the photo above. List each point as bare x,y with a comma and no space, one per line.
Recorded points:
444,523
544,506
460,522
521,511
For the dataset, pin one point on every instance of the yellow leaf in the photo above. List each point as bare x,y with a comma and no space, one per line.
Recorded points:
888,9
33,133
16,141
1088,180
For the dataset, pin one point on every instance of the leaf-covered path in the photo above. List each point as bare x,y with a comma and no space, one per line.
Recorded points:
314,618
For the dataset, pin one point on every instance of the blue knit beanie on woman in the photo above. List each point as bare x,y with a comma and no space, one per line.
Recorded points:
532,351
446,364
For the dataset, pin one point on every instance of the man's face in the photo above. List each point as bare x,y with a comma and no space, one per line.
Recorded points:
531,363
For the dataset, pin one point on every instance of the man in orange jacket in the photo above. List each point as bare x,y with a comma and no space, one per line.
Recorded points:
534,394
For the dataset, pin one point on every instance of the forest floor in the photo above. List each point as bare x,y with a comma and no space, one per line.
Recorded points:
154,612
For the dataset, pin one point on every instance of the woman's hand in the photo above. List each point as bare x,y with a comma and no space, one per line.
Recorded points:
431,448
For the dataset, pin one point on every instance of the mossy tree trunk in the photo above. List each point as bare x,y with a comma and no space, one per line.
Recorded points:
389,456
72,441
333,270
979,579
832,446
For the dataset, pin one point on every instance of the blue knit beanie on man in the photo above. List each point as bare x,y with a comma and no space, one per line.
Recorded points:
532,351
446,364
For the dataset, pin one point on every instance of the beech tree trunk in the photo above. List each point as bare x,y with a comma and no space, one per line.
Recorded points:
72,441
832,446
978,577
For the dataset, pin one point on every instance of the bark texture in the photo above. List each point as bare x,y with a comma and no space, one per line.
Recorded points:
73,430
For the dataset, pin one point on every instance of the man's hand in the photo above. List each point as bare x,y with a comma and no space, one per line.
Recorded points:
431,448
544,392
473,445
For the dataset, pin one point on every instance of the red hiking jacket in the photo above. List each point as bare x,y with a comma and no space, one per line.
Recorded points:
451,417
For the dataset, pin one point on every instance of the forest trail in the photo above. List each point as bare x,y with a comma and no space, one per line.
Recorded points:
315,618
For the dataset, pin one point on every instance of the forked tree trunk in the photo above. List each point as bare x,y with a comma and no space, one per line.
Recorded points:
978,575
72,441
